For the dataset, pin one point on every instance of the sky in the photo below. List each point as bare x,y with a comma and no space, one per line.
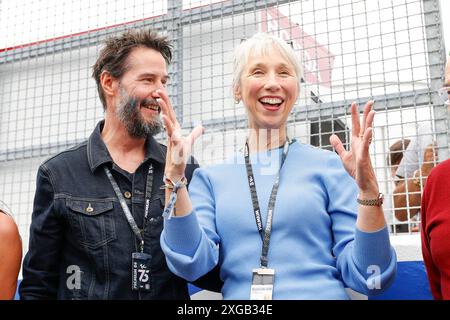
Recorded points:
21,12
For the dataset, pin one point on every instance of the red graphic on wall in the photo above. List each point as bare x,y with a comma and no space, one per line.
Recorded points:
316,59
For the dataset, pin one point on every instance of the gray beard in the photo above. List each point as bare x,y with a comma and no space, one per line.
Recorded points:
129,114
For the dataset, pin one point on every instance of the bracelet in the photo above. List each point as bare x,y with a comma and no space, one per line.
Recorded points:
166,186
169,184
169,210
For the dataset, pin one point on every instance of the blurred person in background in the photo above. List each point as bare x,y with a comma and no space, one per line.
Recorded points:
10,254
436,218
419,158
411,176
393,160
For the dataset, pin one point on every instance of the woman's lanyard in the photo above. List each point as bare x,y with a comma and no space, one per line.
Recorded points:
265,236
263,277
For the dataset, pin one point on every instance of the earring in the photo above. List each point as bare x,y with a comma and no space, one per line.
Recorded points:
237,100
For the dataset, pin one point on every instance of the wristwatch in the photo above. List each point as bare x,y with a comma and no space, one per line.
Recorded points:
372,202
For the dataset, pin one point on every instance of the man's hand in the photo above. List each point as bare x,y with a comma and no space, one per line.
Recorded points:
178,147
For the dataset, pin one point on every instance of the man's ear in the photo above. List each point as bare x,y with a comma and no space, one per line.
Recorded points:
109,84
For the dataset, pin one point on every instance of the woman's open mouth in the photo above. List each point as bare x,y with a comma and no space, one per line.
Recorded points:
271,103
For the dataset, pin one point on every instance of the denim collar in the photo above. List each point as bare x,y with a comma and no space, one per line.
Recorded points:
98,154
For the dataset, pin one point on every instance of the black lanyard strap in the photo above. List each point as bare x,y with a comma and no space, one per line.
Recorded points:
265,236
149,185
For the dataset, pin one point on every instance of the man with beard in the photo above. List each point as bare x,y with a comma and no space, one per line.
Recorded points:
96,219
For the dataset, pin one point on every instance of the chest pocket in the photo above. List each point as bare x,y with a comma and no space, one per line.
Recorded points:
157,205
92,221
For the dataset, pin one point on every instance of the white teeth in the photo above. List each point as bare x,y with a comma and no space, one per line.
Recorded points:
152,107
271,100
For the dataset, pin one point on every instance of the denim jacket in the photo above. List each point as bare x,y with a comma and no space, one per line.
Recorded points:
80,241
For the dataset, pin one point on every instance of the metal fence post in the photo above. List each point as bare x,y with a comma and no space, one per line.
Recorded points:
436,62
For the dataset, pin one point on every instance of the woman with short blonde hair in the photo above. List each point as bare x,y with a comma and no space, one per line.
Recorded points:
283,220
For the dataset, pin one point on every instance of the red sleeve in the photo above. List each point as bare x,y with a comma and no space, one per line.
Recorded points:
436,228
432,271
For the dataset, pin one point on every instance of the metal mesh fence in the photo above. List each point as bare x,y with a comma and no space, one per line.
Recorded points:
391,51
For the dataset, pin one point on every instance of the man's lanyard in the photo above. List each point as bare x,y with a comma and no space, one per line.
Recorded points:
265,237
148,192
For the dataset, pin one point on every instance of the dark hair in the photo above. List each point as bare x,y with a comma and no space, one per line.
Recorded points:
113,57
396,151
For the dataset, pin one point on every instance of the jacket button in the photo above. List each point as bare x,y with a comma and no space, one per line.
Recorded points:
127,194
89,209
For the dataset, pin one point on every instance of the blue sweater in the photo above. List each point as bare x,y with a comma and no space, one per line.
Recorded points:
315,248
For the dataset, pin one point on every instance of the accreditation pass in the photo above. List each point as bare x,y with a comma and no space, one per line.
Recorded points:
262,284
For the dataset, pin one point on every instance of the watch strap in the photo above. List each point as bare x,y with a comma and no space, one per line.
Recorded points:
371,202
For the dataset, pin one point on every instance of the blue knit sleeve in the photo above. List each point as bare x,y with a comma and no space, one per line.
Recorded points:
190,243
366,260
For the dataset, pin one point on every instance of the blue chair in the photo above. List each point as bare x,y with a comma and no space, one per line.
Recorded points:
411,283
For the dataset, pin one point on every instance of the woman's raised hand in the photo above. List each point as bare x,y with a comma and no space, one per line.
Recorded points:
357,161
